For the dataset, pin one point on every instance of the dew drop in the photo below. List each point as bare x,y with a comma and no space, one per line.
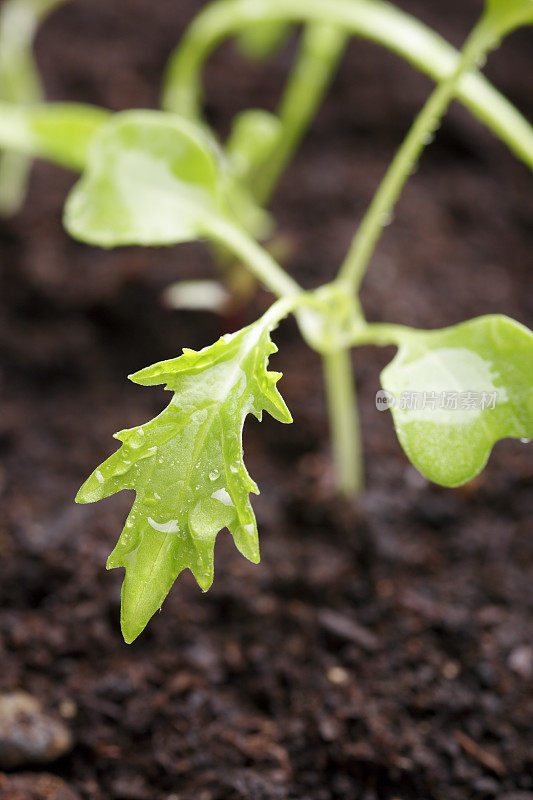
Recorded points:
122,467
137,438
213,475
170,526
223,497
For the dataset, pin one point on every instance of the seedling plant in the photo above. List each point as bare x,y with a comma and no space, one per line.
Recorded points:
157,178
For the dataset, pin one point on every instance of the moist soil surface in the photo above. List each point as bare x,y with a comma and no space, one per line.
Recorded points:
382,648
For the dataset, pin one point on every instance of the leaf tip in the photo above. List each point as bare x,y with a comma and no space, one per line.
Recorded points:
113,562
134,616
204,579
91,491
130,629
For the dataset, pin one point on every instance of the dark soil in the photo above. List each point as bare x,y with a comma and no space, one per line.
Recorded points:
382,649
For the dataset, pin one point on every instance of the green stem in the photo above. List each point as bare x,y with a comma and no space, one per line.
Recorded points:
282,308
14,176
343,421
338,372
257,259
371,19
321,49
382,334
19,83
420,134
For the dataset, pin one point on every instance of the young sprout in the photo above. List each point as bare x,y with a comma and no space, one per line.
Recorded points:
160,177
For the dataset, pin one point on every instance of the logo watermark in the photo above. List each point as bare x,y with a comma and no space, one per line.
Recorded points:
437,401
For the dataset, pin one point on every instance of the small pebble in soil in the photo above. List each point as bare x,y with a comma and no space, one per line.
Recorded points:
338,675
35,787
28,735
451,670
521,661
68,709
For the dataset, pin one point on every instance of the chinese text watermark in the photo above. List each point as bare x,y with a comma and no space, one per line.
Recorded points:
436,401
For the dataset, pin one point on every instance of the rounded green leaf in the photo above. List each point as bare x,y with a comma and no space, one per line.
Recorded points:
151,179
455,392
506,15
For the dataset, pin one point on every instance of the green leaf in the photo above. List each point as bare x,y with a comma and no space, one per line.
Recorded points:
154,178
457,391
186,467
151,177
259,42
504,16
60,132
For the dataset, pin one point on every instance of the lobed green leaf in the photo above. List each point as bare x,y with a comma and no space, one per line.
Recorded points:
457,391
153,178
186,467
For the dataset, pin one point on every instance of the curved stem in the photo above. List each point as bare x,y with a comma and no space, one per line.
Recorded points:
320,52
257,259
14,176
372,19
343,421
321,49
420,134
